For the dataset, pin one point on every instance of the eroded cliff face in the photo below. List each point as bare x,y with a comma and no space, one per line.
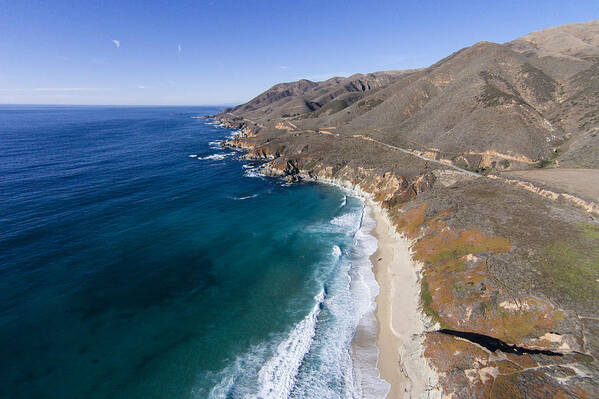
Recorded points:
483,246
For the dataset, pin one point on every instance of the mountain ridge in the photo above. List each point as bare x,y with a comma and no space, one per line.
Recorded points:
485,98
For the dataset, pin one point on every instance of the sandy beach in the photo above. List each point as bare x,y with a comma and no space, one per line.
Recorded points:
401,362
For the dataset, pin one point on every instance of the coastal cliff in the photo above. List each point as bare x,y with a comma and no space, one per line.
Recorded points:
509,279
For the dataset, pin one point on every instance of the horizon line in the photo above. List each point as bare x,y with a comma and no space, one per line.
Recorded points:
120,105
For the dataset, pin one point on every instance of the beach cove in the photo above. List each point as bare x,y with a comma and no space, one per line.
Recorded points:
401,325
183,270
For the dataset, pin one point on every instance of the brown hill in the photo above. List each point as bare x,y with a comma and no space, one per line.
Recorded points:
573,41
517,105
305,96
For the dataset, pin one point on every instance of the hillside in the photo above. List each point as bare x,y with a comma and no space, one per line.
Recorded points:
487,107
487,161
315,98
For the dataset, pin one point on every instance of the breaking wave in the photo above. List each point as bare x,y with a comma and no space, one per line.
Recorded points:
215,157
333,368
343,202
317,358
215,145
278,375
350,222
253,172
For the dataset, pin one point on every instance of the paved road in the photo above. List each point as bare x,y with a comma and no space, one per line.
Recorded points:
368,138
584,182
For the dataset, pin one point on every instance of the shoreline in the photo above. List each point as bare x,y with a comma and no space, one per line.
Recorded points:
400,360
388,343
401,323
400,339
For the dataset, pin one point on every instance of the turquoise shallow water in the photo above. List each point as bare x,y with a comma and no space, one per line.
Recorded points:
130,268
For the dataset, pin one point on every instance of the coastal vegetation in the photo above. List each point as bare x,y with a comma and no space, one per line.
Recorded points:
573,263
514,261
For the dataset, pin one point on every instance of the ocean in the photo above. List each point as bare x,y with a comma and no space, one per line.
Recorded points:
139,259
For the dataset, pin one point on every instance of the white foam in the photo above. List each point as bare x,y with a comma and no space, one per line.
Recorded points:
365,290
233,379
244,198
328,370
278,375
192,155
253,172
346,223
344,202
275,374
349,221
336,251
235,133
316,359
334,368
215,157
215,145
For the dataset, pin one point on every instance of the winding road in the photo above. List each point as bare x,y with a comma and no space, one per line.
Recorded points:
368,138
573,199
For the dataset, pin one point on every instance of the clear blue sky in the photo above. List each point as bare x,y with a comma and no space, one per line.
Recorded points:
223,52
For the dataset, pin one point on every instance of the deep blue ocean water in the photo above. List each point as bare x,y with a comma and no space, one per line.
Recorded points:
138,259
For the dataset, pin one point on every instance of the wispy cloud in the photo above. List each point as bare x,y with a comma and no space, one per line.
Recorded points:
117,43
283,67
179,48
62,57
142,87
